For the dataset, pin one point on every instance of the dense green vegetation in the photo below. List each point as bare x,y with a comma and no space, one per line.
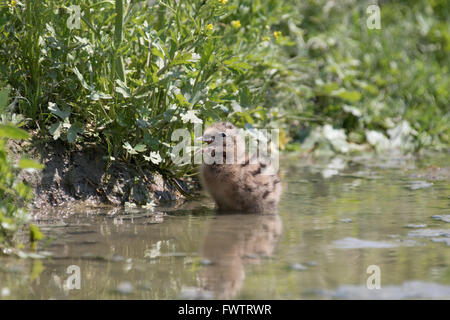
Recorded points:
14,194
126,74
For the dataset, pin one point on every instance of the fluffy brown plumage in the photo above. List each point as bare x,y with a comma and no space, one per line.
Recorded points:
235,180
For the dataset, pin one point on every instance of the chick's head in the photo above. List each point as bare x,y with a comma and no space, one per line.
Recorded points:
224,140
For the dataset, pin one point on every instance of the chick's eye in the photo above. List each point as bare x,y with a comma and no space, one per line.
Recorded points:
223,134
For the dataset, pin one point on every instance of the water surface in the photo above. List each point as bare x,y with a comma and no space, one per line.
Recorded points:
337,217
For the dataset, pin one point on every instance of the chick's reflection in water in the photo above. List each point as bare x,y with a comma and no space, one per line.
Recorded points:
232,242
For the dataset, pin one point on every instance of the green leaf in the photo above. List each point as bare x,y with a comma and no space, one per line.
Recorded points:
182,58
35,233
97,95
140,147
11,132
4,94
81,79
55,130
74,130
63,114
157,51
207,52
182,100
122,89
23,190
26,163
327,88
155,77
236,65
351,96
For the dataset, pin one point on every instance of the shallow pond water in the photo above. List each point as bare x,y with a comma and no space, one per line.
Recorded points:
336,218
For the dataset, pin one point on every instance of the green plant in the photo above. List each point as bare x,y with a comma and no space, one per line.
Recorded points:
132,72
14,195
389,80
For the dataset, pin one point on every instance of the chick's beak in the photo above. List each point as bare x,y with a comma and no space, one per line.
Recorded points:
206,139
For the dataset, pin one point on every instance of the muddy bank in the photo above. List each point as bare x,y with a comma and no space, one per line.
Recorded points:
81,174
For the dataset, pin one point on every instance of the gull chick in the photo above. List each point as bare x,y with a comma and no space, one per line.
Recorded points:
235,180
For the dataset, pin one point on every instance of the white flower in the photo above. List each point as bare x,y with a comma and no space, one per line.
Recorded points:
377,139
236,106
336,137
195,57
127,146
149,205
353,110
130,205
401,135
154,157
190,116
174,90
